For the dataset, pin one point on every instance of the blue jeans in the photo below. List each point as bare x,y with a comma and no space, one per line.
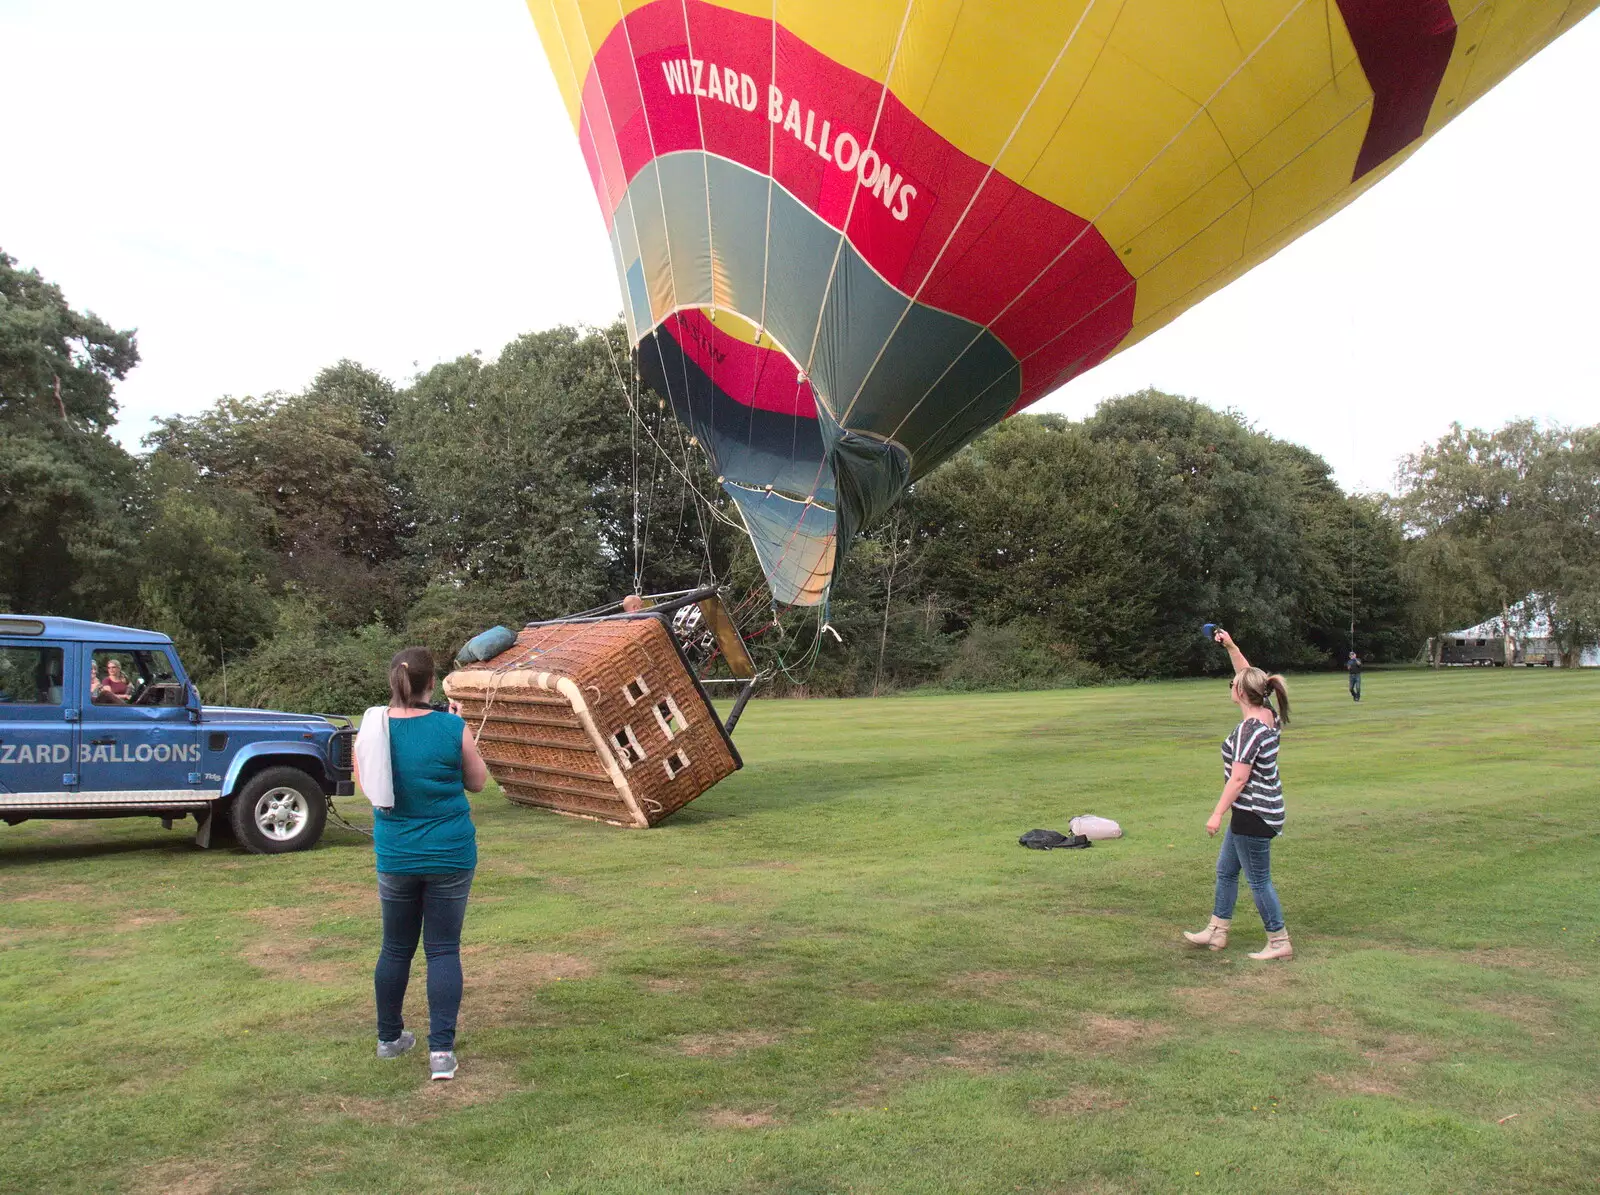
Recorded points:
1253,856
431,907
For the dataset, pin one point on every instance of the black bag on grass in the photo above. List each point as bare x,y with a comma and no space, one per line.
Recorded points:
1050,840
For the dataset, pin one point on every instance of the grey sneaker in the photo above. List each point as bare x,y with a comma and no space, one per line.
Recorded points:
397,1047
442,1063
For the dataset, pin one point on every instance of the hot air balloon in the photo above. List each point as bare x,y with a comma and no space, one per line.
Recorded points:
850,237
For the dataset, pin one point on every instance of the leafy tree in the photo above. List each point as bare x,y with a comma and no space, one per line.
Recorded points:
362,396
501,460
1559,526
320,466
203,576
54,361
313,666
445,615
66,489
1470,488
1383,597
1114,539
523,474
1506,517
66,522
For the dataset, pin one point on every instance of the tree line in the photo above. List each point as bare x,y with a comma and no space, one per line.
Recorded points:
290,543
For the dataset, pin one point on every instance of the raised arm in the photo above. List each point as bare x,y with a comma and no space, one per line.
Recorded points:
1234,654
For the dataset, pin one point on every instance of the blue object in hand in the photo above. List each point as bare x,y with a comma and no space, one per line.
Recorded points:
1208,630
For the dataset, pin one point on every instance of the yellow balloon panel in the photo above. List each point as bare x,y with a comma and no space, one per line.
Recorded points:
1194,45
1307,181
961,93
1281,77
1515,31
1329,107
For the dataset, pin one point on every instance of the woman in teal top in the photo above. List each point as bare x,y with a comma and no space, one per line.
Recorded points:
427,852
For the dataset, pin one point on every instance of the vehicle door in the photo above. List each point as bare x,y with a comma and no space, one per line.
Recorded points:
38,731
138,736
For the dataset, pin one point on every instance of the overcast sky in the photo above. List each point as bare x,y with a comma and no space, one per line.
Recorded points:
264,189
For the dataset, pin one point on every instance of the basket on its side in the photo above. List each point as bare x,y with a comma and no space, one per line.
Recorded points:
599,719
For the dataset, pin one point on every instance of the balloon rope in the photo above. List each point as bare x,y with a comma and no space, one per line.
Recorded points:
1350,423
651,436
633,448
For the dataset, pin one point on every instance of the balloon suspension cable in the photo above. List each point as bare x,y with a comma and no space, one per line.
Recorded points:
688,481
799,670
1351,499
650,501
797,667
1352,575
633,449
708,568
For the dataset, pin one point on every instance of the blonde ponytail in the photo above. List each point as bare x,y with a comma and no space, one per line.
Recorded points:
1259,688
1281,692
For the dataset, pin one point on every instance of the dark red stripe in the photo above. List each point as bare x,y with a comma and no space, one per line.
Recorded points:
1404,47
741,368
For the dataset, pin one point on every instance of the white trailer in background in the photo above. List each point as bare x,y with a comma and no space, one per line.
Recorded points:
1521,636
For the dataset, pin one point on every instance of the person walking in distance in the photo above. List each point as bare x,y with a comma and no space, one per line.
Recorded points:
427,853
1353,666
1252,799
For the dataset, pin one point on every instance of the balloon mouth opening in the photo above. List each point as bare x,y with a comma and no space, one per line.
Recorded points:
749,407
804,484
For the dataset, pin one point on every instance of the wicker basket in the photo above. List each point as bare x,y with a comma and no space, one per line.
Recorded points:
598,719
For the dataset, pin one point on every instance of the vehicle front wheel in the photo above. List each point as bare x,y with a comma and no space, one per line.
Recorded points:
280,809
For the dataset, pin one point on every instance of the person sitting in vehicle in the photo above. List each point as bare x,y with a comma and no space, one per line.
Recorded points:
114,689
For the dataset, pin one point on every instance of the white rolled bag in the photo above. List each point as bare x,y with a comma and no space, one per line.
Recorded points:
1091,827
373,759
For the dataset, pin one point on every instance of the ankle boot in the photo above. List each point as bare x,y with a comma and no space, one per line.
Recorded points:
1215,934
1277,947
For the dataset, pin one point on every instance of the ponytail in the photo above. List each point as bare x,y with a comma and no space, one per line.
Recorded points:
1276,686
1260,689
410,676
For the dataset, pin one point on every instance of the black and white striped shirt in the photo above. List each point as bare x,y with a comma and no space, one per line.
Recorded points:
1256,744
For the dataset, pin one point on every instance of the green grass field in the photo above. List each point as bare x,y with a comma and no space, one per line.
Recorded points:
838,971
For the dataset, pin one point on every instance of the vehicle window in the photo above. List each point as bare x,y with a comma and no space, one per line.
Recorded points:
31,675
134,676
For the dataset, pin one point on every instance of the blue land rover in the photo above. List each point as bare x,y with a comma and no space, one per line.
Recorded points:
101,721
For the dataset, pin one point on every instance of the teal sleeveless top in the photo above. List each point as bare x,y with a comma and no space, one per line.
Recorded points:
429,830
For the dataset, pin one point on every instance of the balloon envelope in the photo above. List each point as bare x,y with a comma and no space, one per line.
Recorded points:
850,237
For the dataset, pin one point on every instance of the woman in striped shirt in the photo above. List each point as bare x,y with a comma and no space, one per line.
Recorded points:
1254,793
